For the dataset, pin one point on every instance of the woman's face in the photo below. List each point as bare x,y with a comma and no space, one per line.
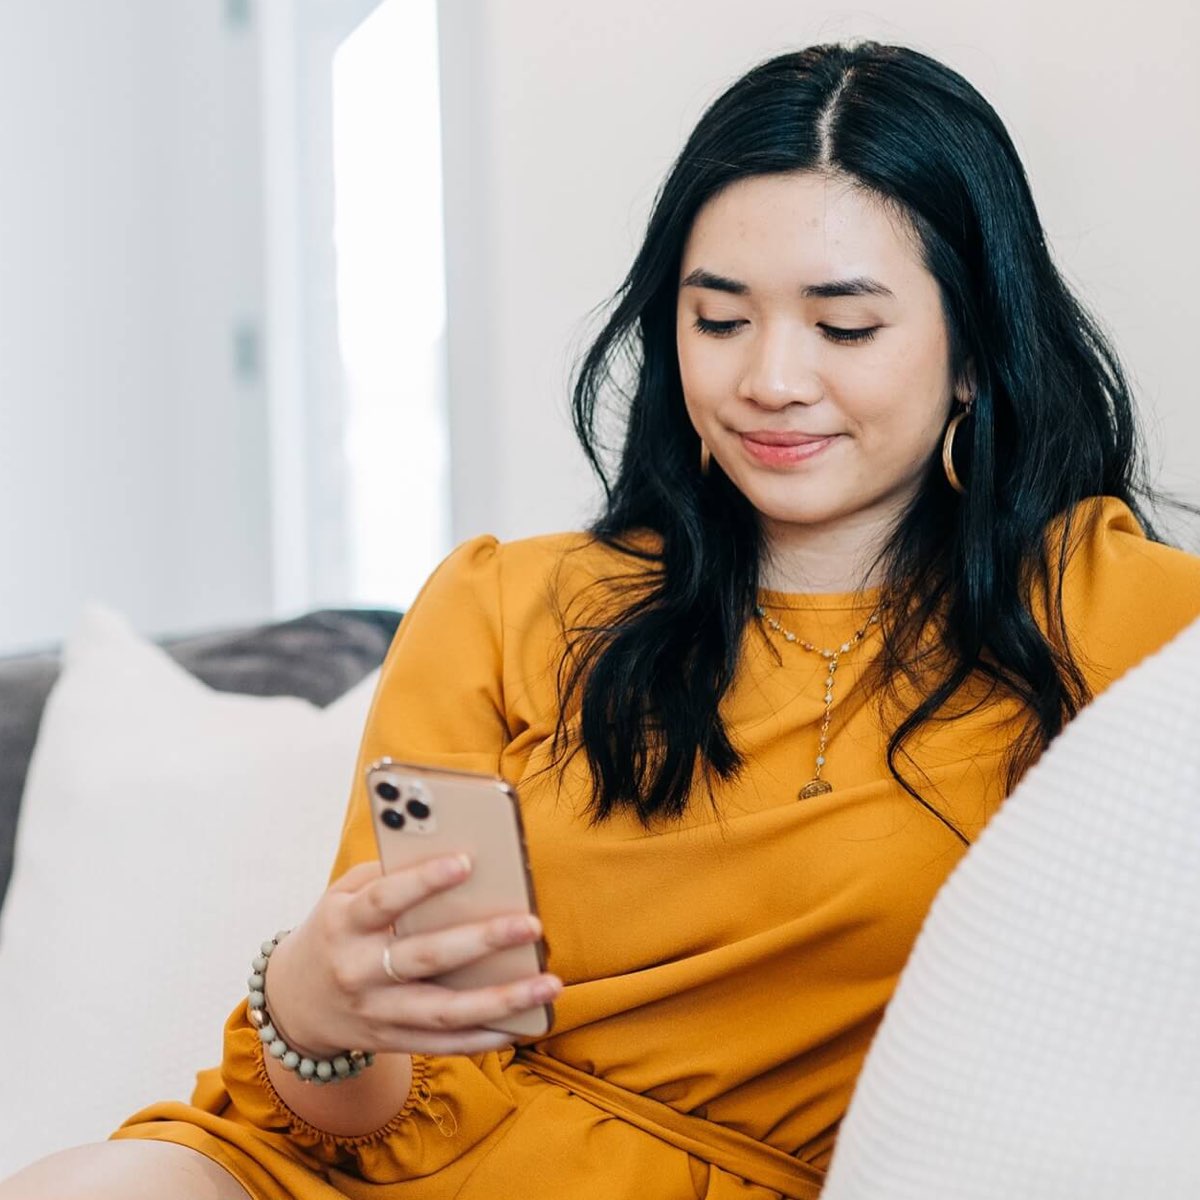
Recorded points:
813,351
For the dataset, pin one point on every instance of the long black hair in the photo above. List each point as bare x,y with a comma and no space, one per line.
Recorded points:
1052,423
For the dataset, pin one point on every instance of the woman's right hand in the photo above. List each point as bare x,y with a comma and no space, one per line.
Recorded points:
327,988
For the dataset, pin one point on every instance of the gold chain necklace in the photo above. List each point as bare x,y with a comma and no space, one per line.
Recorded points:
817,786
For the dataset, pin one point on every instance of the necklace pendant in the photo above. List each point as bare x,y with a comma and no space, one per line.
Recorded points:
815,787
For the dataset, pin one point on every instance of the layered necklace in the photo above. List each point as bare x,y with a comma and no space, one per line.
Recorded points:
817,786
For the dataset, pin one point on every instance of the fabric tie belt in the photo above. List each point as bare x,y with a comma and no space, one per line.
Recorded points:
715,1144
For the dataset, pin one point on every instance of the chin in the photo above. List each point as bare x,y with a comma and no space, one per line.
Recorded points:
805,505
807,514
824,500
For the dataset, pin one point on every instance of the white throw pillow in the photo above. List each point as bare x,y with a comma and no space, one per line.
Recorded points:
1044,1040
166,830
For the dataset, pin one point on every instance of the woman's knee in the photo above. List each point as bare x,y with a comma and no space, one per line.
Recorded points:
125,1170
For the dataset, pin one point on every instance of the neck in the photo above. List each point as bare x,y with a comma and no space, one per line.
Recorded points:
824,558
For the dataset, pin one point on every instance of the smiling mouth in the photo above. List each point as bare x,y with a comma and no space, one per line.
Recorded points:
785,449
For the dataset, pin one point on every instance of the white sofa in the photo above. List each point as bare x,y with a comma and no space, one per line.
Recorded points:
1044,1042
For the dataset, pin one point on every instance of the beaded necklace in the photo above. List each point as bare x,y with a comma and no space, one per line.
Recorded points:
817,786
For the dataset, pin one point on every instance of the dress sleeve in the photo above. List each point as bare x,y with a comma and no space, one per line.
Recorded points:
439,701
440,698
1124,596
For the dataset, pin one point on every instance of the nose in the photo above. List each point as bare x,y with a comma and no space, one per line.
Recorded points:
780,370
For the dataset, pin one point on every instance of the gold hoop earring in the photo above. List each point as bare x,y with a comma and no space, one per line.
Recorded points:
948,450
705,458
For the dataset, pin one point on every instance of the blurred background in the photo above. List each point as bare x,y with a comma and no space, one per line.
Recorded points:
290,290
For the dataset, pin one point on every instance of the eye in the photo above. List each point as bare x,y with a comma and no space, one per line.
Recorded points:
836,333
717,328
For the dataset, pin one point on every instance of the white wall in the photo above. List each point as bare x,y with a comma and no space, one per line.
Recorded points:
560,120
133,462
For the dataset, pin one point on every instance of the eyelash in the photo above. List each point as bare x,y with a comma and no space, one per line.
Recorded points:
835,333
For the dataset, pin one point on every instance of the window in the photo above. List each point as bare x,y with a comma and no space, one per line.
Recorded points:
355,300
391,299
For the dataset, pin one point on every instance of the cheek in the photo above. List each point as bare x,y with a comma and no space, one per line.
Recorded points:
903,396
705,375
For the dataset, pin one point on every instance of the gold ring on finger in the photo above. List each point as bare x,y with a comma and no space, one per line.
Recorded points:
389,970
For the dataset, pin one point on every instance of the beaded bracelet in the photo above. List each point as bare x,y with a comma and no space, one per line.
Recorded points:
312,1070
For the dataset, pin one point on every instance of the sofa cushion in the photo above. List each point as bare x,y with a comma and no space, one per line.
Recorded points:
317,657
1044,1040
24,685
167,829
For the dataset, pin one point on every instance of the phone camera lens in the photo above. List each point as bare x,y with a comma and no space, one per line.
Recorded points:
393,818
387,791
418,810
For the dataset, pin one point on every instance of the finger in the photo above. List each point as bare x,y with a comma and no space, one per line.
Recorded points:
378,903
461,1041
423,955
438,1009
357,876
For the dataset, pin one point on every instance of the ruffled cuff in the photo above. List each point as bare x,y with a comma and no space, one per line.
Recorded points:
453,1104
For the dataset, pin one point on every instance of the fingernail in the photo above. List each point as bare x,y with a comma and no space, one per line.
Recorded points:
545,989
456,867
523,926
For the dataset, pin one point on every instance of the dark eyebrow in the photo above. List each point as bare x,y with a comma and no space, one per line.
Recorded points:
717,283
862,286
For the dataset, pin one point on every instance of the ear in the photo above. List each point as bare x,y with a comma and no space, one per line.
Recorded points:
967,383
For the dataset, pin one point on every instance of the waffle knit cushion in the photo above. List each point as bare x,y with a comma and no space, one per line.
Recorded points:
1044,1041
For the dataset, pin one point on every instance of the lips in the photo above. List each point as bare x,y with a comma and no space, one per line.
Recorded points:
770,449
766,438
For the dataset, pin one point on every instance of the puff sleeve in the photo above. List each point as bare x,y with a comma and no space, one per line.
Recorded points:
1123,596
440,698
439,701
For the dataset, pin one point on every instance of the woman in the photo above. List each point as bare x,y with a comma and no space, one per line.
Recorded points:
873,538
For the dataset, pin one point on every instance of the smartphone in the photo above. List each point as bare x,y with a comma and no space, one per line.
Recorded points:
425,812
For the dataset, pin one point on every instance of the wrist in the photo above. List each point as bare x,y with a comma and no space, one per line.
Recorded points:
288,1020
310,1065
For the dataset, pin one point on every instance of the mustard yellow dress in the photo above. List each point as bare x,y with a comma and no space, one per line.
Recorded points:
724,973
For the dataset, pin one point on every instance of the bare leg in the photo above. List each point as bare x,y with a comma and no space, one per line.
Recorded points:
127,1170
